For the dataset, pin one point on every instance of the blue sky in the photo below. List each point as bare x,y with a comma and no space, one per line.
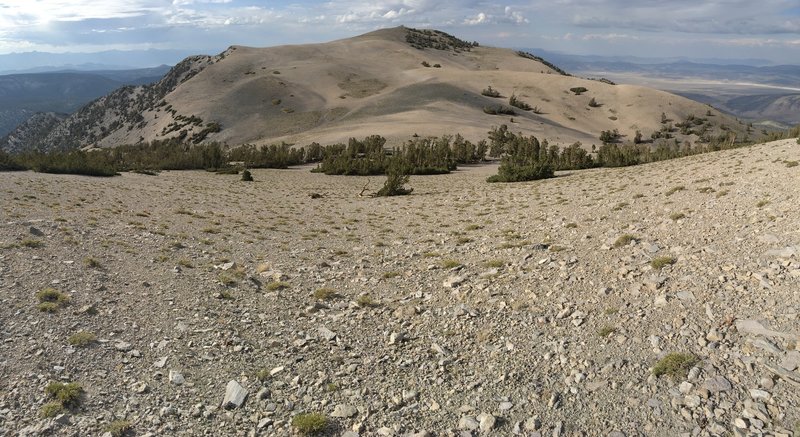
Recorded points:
767,29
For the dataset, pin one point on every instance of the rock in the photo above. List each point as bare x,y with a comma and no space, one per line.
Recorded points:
691,401
791,361
532,424
468,423
717,384
160,363
122,346
396,337
176,377
62,419
326,333
439,349
768,239
765,345
505,406
487,422
786,252
140,387
235,395
686,296
759,395
344,411
453,281
753,327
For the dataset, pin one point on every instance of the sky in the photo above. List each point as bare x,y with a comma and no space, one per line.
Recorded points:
728,29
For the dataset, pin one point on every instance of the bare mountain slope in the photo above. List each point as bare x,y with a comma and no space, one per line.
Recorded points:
377,83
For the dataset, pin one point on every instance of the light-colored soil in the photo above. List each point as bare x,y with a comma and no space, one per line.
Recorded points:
513,331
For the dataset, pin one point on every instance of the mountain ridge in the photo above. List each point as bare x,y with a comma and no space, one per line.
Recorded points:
396,82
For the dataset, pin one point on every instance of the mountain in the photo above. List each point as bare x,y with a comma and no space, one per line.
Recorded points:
393,82
743,88
40,62
22,95
36,126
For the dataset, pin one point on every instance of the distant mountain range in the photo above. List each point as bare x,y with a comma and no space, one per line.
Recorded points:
22,95
40,62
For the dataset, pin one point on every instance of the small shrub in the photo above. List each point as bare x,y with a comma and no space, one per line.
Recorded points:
310,423
91,262
365,301
118,428
674,190
450,264
675,365
624,240
277,285
68,394
489,92
52,409
31,243
499,110
51,295
762,203
263,374
397,175
662,261
47,307
578,90
392,274
593,103
605,331
246,176
675,216
82,338
228,279
425,64
517,103
325,294
494,263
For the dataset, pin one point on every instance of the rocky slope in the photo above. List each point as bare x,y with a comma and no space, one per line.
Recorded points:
392,82
465,308
30,131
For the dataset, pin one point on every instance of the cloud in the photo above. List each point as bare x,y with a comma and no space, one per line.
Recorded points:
744,17
508,16
570,25
608,37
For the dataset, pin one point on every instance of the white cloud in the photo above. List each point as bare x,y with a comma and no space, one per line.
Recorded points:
608,37
480,18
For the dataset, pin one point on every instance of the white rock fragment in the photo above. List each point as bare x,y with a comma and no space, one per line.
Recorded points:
235,395
453,281
344,411
176,377
326,333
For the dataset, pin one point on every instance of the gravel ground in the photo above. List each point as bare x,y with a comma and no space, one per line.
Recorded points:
221,307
